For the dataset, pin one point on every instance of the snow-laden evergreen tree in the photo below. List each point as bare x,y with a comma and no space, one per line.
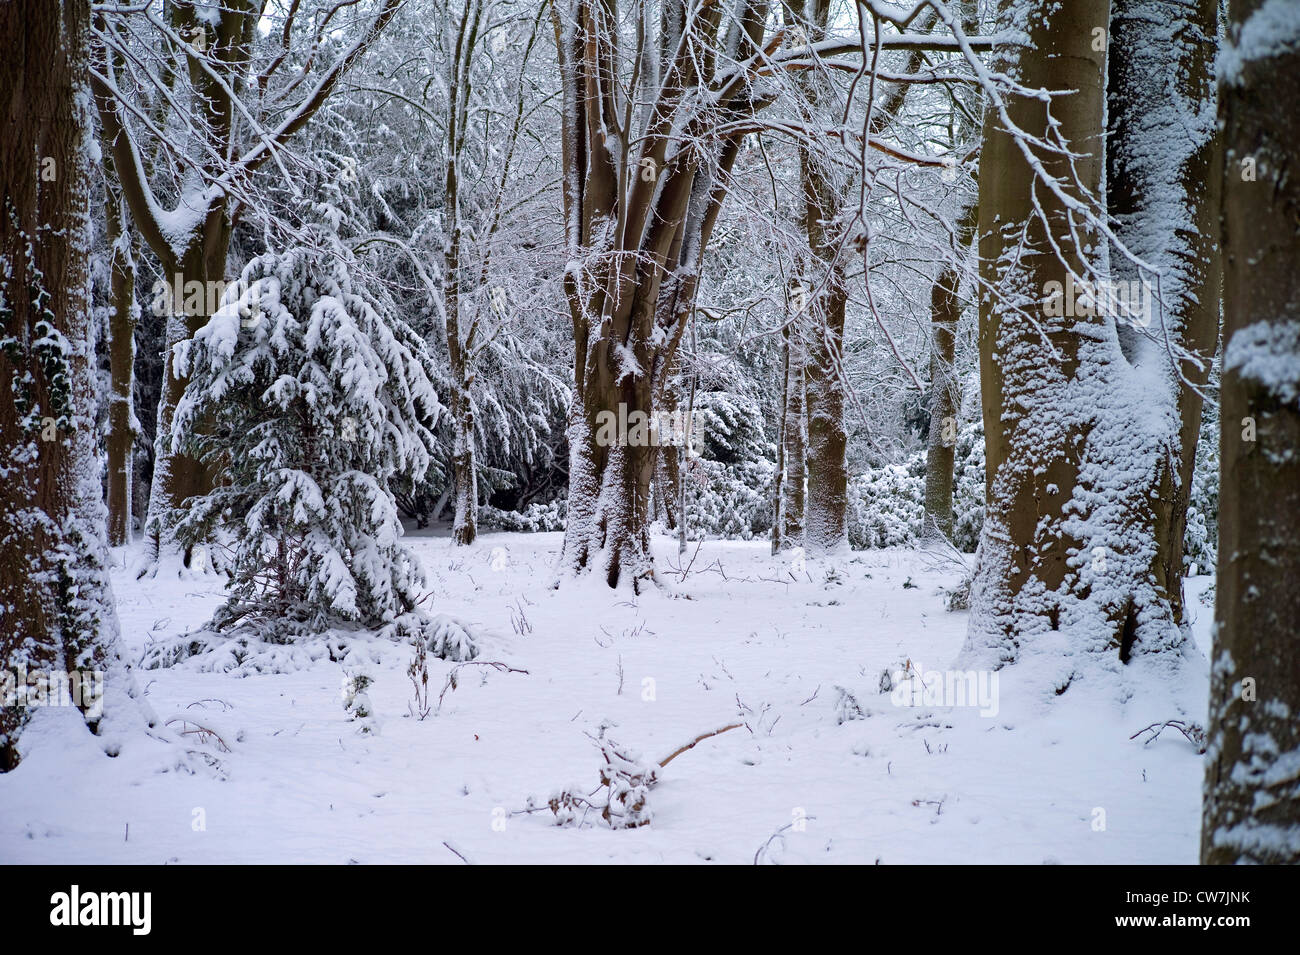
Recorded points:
307,396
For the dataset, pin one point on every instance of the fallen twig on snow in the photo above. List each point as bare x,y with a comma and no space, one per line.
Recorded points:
451,676
1194,733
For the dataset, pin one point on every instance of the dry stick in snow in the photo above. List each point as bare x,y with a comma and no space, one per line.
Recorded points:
456,852
451,676
699,739
199,730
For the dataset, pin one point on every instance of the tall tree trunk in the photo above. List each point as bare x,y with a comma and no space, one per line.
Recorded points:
1252,794
668,470
56,603
824,187
1028,361
825,512
1083,417
826,521
121,358
1160,106
778,480
460,344
178,476
464,469
639,209
794,431
945,309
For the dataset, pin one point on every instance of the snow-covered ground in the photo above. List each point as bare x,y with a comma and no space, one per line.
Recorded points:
1047,779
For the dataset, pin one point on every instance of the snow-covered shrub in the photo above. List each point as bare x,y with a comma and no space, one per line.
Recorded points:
730,428
307,397
728,500
729,478
442,635
358,677
536,517
887,504
1201,537
885,507
968,488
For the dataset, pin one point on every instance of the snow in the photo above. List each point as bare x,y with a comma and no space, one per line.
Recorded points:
1272,29
742,641
1265,353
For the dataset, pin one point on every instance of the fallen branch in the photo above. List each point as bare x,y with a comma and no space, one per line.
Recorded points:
699,739
451,676
1193,732
203,733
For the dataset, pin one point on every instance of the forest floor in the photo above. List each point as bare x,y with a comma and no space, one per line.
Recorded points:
742,638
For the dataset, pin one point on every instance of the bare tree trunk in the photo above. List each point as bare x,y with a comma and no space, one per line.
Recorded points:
794,430
778,480
460,349
945,309
1172,227
1252,799
56,603
826,522
121,354
1028,358
825,512
639,211
177,476
1083,416
668,471
824,186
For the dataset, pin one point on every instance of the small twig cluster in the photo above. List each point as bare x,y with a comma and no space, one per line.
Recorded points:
453,681
1193,732
626,782
205,735
418,671
519,620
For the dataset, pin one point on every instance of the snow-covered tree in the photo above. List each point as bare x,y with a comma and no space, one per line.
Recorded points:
1082,355
654,118
1252,762
308,397
56,604
194,99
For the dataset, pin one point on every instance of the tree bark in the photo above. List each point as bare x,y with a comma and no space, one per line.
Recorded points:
460,349
794,432
1161,73
121,355
1082,413
56,603
1028,360
825,511
945,309
826,522
1252,798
